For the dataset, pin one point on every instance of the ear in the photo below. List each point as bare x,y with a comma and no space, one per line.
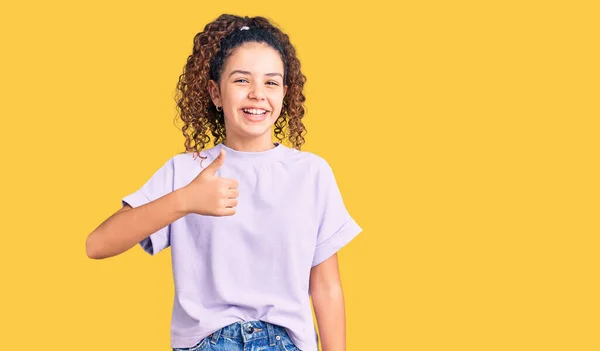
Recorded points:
215,94
284,90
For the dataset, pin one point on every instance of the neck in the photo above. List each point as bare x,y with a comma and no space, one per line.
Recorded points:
251,156
249,145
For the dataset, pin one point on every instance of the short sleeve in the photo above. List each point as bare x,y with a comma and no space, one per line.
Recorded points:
336,227
160,184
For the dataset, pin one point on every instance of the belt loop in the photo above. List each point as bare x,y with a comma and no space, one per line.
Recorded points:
270,329
215,337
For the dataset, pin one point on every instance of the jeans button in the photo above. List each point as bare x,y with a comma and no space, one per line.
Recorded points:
250,330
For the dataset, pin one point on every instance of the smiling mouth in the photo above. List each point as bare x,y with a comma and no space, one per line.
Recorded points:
255,115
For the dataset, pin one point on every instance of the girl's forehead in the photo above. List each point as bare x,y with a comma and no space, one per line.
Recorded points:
256,58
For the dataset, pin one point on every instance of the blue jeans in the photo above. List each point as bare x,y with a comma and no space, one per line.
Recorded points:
246,336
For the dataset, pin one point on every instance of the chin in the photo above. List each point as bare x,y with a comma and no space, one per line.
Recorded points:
253,129
255,133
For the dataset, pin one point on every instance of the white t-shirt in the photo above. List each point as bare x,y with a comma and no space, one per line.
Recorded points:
254,265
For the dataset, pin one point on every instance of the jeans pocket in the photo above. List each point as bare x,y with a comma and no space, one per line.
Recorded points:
199,346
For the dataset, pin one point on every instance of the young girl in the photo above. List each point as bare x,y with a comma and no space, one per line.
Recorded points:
254,226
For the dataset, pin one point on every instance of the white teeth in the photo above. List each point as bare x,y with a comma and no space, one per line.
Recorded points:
254,111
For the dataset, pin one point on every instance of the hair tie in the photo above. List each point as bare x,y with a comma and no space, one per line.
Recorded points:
244,28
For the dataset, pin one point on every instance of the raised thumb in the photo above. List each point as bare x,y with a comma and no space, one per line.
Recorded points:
215,164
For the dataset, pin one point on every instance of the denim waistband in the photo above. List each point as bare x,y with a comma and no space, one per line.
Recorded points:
250,330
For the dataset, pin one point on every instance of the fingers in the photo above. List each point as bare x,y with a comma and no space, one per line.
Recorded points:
231,202
230,210
233,193
227,211
231,183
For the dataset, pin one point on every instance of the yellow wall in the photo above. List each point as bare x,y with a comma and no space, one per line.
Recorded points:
464,137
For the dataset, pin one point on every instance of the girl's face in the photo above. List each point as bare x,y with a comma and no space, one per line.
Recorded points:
251,92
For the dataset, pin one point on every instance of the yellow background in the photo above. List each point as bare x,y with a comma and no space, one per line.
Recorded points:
464,137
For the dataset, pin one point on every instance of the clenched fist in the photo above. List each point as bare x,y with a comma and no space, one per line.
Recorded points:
210,195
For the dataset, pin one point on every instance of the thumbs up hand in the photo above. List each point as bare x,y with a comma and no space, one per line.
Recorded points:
210,195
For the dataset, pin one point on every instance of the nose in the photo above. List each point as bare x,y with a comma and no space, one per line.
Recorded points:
256,92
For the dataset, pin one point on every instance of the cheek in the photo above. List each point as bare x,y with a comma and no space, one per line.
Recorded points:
234,98
276,100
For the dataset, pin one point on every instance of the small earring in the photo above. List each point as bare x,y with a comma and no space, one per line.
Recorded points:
221,109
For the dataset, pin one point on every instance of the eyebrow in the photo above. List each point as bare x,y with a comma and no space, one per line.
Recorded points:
248,73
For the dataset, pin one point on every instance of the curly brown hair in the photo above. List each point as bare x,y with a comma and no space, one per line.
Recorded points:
211,48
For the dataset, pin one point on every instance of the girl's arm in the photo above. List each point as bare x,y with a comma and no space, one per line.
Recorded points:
207,194
328,303
128,226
